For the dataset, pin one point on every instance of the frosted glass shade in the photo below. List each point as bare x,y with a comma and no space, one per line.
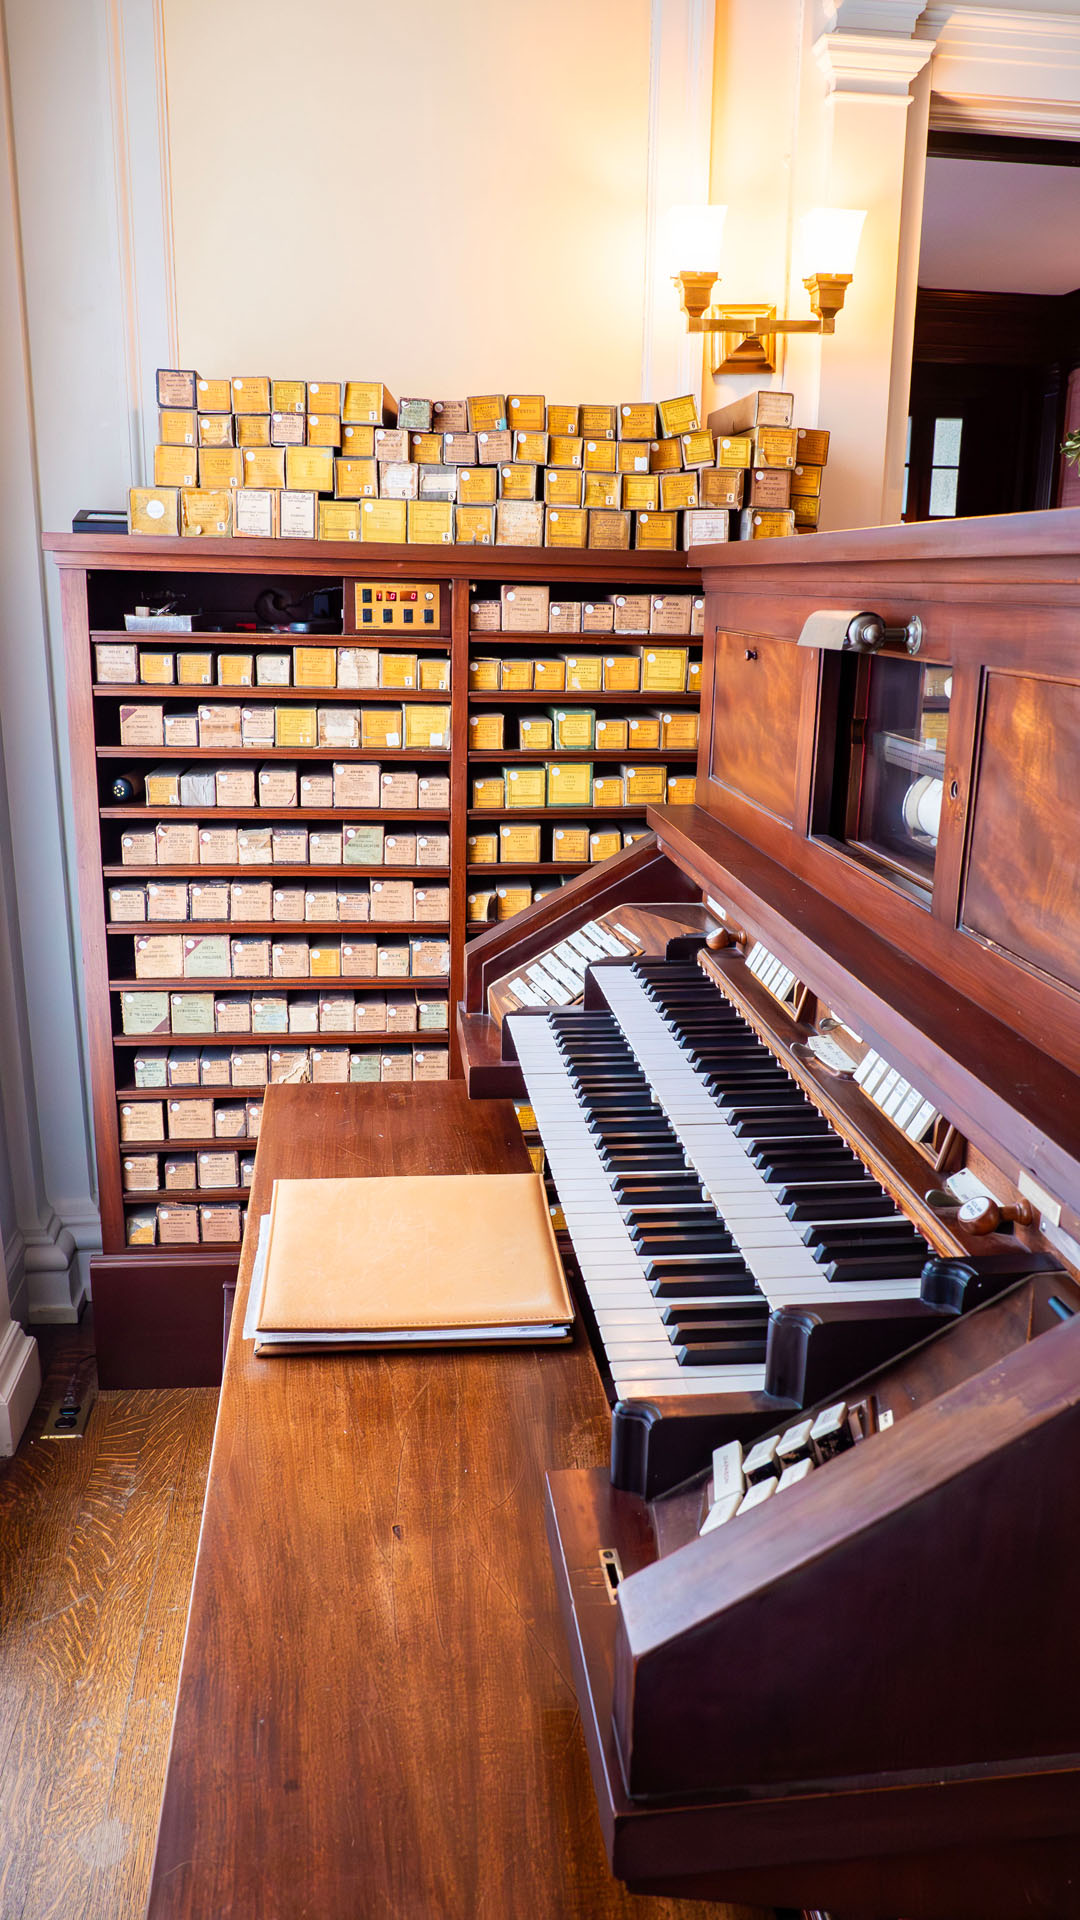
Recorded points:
829,240
692,238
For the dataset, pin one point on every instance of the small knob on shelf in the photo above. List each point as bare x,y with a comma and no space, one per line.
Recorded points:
984,1215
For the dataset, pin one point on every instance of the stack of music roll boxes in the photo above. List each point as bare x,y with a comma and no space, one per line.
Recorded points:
253,457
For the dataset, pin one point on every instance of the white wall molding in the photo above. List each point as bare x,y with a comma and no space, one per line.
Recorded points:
1010,71
20,1384
679,152
55,1259
140,151
986,113
870,16
872,66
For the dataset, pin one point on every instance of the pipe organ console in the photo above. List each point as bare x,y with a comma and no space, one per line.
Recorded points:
803,1068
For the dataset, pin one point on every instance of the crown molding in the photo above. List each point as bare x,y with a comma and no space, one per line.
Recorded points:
988,113
898,17
871,65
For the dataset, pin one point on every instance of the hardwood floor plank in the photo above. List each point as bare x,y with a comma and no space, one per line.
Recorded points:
97,1545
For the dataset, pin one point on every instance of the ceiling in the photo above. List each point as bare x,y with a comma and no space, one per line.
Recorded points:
992,226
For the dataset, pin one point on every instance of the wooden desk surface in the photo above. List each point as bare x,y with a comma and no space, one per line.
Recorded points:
375,1714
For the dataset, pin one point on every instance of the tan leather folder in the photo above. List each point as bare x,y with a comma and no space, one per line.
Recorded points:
424,1259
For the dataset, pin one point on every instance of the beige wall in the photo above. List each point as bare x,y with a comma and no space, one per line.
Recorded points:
449,195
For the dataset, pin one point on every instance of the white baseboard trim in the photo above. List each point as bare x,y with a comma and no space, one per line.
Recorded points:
20,1384
55,1262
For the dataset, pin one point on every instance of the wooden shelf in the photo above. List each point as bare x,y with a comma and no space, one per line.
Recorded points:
573,642
401,640
277,928
349,815
272,753
157,1042
546,867
306,696
532,756
266,984
181,1196
571,814
189,870
543,697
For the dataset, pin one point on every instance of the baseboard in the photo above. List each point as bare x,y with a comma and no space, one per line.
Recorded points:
20,1384
55,1261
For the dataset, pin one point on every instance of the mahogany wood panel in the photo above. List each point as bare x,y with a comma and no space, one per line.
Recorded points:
375,1714
993,595
135,552
1022,888
757,699
157,1312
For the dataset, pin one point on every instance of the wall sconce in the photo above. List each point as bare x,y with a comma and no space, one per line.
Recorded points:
827,244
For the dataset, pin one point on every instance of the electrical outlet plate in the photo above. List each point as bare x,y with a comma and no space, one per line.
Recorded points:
66,1419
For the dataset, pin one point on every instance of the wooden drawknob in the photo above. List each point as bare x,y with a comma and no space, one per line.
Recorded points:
984,1215
718,939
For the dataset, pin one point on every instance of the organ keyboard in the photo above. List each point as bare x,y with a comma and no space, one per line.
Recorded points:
817,1149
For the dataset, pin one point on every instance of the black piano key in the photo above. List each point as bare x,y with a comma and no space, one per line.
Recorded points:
862,1233
706,1287
873,1250
746,1353
732,1309
860,1206
697,1266
652,1245
889,1267
713,1325
784,1126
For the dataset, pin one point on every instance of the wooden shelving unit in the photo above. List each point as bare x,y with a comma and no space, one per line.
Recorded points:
156,1304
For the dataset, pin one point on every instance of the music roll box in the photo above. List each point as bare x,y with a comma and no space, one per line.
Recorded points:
566,527
570,843
175,467
679,491
519,841
524,609
475,526
670,614
251,393
664,669
536,736
644,785
603,844
562,487
216,430
176,387
527,412
644,732
153,510
488,791
519,523
433,849
523,787
812,446
141,1120
612,735
569,783
477,486
431,903
584,672
142,725
368,400
755,525
681,790
487,412
482,849
608,790
633,457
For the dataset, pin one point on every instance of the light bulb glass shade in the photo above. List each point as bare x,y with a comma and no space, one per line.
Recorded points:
692,238
829,240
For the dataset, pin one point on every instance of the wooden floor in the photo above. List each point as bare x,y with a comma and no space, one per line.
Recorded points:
97,1547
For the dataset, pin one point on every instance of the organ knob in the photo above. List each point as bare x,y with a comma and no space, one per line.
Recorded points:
983,1215
718,939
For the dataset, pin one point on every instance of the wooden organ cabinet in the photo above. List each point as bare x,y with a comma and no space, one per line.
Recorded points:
804,1073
